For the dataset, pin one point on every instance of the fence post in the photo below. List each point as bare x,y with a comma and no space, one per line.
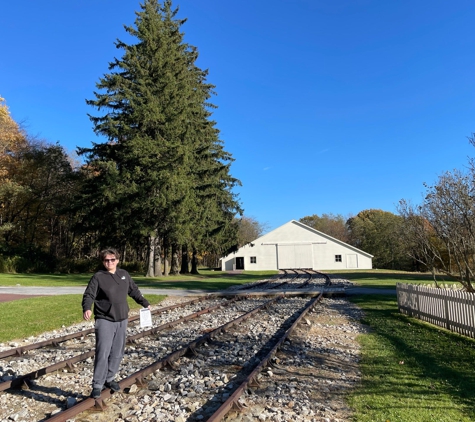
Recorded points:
418,307
446,306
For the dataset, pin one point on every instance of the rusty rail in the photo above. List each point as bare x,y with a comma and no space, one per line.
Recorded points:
18,351
22,380
263,283
232,401
138,377
327,278
276,286
307,281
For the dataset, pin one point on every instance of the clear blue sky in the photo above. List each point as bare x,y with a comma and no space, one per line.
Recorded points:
328,106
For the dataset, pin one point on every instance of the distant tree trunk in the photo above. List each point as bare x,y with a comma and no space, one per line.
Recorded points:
194,262
166,265
157,261
185,264
175,266
151,257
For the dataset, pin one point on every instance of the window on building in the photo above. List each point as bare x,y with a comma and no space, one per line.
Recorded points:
253,260
337,258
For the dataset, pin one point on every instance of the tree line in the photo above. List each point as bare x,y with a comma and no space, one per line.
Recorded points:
158,187
374,231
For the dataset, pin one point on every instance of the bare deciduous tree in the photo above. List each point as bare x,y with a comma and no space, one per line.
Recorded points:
442,230
249,230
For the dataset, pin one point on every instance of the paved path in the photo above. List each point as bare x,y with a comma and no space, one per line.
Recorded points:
21,291
9,293
72,290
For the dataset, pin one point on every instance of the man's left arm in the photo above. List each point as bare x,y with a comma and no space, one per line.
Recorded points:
136,294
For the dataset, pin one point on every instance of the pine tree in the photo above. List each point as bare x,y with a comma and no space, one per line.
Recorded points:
159,137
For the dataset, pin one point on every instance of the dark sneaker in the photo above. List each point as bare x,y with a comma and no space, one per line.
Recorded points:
113,385
96,393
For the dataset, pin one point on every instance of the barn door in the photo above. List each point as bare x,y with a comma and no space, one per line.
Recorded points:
351,261
303,256
294,256
285,256
239,263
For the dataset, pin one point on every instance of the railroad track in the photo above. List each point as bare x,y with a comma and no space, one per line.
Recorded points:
223,342
291,280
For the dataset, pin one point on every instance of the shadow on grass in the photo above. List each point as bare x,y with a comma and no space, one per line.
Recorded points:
413,362
384,279
207,281
389,275
191,285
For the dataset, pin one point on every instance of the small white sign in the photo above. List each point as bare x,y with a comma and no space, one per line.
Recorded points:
145,318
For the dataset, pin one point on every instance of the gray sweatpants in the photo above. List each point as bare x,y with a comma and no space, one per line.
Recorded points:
110,345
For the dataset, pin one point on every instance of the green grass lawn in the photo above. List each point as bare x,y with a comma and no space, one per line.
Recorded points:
207,280
412,371
29,317
385,279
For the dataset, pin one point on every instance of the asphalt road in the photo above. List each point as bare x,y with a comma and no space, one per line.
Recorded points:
48,291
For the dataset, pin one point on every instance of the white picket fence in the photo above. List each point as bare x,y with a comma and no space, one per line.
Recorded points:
451,309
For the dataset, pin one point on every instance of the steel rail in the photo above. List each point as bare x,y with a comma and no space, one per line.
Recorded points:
263,283
307,281
276,286
132,339
22,380
251,379
327,278
138,377
18,351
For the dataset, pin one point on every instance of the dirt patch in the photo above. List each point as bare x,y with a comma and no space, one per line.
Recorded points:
8,297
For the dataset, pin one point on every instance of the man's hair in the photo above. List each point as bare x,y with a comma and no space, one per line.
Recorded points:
109,251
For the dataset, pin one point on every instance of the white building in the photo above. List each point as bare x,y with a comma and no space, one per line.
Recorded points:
296,245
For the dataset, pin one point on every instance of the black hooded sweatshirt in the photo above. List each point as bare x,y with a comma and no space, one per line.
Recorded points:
109,293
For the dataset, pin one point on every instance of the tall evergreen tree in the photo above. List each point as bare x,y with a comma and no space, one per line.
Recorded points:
159,137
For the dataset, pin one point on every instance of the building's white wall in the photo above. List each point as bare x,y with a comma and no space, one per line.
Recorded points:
266,258
307,248
324,257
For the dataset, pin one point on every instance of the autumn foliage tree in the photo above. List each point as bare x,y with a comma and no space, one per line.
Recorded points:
35,184
332,224
378,232
12,143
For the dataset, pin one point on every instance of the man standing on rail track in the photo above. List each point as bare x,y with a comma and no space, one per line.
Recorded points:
108,290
